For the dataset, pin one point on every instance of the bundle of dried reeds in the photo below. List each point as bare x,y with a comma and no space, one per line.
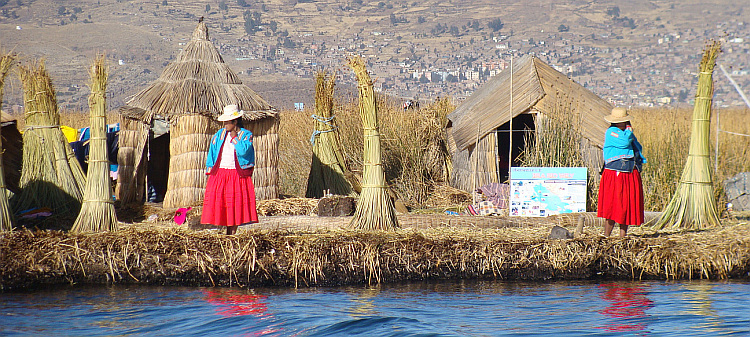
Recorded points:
375,210
693,205
6,219
51,175
328,166
98,211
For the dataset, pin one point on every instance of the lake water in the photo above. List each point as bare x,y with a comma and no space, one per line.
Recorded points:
470,308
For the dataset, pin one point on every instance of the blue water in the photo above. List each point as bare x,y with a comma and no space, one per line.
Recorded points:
697,308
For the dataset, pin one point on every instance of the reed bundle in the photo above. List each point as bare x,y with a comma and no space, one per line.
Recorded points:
6,219
51,175
327,170
375,210
98,210
175,255
693,205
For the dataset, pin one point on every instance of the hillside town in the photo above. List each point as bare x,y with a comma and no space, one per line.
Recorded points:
661,72
633,61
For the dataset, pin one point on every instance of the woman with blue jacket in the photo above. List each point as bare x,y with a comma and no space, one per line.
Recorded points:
621,189
230,193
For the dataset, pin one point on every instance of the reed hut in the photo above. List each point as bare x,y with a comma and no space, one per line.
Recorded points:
169,124
12,150
479,130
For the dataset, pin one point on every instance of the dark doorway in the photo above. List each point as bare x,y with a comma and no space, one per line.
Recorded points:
523,124
158,168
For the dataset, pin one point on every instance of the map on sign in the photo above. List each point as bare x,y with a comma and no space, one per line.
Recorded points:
543,191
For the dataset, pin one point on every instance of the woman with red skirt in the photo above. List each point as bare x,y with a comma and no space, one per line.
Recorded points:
620,188
230,193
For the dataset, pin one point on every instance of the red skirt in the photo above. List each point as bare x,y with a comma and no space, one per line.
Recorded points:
621,197
229,200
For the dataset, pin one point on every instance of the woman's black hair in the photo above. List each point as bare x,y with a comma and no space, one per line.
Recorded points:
239,122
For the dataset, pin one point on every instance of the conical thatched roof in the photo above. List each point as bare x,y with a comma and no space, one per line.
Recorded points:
198,82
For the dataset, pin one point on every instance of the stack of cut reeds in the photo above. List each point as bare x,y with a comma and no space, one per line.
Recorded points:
327,170
51,175
375,210
693,205
6,218
98,211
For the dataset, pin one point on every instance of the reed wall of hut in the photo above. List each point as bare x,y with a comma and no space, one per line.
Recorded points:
266,144
190,136
189,94
131,159
533,87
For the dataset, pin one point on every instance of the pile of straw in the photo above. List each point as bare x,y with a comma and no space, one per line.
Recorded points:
6,220
445,196
693,205
375,210
288,206
328,166
149,255
98,210
51,175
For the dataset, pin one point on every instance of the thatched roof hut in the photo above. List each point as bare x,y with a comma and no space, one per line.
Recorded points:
478,129
181,105
12,152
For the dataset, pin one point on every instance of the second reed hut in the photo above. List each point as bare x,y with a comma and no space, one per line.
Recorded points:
166,128
479,129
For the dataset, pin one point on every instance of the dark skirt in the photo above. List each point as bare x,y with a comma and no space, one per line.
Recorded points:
621,197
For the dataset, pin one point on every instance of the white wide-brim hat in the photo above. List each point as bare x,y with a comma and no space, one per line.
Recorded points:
230,112
618,115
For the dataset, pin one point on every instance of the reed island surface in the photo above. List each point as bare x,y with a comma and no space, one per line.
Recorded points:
305,250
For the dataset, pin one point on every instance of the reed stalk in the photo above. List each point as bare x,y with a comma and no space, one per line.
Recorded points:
51,175
693,205
6,218
375,210
98,211
327,170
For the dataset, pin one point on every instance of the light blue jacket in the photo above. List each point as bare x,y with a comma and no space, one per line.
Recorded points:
243,147
622,144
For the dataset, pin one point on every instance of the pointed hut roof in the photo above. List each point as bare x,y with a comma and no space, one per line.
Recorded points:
537,85
198,82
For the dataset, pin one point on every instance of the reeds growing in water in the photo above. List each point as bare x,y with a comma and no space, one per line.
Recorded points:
98,210
6,218
375,209
51,175
693,205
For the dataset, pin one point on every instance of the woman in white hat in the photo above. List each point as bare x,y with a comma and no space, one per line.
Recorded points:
621,189
230,193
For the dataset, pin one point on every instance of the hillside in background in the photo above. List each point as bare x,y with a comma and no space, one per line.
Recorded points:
630,52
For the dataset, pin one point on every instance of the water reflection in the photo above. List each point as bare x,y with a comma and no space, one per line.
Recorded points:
698,296
627,306
363,303
234,302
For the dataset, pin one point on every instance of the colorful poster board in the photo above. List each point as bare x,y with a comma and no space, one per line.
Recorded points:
543,191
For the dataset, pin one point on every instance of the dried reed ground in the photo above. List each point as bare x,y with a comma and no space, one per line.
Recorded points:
152,254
